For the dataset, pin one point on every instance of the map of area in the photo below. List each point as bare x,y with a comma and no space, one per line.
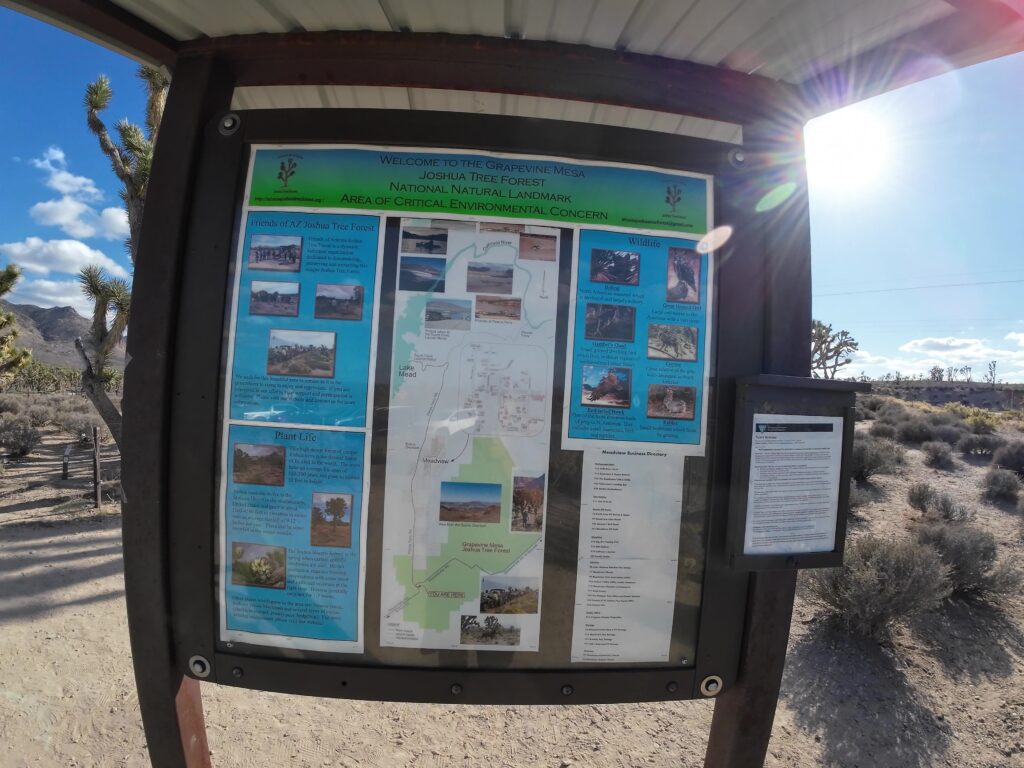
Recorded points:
469,435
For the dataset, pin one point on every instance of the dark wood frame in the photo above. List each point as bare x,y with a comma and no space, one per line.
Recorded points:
788,395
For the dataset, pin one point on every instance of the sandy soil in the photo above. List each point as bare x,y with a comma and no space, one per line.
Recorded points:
947,690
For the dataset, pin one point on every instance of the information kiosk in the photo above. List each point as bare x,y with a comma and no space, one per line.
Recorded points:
494,391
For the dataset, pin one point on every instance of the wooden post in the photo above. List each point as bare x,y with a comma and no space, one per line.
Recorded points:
171,704
744,714
97,484
65,463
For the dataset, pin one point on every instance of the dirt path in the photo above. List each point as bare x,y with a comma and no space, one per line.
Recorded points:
947,691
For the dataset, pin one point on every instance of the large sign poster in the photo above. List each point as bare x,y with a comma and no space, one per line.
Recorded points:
476,271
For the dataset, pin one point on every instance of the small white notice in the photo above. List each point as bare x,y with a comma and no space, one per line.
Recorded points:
630,512
793,491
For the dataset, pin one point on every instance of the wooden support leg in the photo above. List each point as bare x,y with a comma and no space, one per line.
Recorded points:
189,707
742,723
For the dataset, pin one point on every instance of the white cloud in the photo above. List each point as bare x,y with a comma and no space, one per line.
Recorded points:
73,212
67,213
920,355
940,345
55,164
51,293
41,257
113,223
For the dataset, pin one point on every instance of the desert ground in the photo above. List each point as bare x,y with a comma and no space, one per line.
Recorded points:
944,689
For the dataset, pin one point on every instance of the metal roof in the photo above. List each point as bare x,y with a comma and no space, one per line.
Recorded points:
782,39
864,46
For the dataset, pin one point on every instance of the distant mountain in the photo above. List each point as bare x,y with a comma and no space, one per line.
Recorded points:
51,332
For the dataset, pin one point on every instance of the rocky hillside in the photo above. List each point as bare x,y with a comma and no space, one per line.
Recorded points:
51,332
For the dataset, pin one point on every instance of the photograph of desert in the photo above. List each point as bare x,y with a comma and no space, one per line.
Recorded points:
470,502
258,464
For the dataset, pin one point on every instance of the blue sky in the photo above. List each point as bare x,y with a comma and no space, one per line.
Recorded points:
59,207
929,195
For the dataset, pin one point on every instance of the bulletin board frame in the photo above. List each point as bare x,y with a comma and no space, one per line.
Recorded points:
198,380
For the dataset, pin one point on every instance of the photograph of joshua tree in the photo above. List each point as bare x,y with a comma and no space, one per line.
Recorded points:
257,464
300,353
491,631
275,253
273,298
338,302
527,504
258,565
330,522
671,342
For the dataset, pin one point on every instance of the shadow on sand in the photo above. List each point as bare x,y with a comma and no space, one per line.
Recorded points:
973,641
854,694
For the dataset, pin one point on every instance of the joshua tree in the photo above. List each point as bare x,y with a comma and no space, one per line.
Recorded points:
12,359
131,157
830,350
111,298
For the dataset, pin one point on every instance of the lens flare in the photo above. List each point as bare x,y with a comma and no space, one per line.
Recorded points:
714,239
775,197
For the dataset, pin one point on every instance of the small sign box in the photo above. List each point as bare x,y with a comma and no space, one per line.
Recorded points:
791,473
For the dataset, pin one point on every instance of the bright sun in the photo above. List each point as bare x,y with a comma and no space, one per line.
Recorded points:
847,151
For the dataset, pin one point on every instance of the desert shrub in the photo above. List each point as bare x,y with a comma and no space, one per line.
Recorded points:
874,456
944,418
18,436
78,424
979,445
892,413
914,430
39,415
860,414
881,581
946,507
882,429
870,403
920,496
937,454
1001,484
14,404
948,433
1010,456
971,555
982,423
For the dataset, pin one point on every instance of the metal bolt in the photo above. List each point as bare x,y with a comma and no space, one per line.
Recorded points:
711,685
200,666
672,687
684,661
229,124
237,672
456,689
567,690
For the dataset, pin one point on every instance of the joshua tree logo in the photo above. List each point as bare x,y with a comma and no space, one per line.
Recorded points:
673,195
286,171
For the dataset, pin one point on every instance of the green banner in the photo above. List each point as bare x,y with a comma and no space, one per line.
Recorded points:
478,184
